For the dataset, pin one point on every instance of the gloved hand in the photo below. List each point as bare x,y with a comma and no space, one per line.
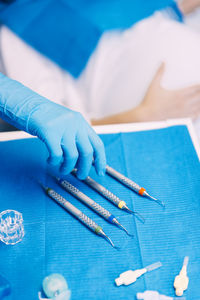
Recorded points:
69,138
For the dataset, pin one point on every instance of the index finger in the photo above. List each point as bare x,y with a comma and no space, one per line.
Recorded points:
99,153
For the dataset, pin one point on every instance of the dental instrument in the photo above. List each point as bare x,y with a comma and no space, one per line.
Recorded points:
109,195
154,295
131,184
131,276
77,213
181,281
104,213
55,287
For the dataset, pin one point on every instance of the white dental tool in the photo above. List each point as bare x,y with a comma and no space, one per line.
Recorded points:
181,281
130,276
154,295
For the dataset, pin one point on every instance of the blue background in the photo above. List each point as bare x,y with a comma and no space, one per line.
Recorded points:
163,161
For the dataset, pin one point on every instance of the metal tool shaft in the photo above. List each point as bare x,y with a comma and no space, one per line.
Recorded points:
131,184
85,199
90,202
77,213
102,190
73,210
110,196
123,179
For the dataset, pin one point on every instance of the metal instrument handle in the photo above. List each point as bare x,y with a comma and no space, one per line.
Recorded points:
85,199
102,190
123,179
73,210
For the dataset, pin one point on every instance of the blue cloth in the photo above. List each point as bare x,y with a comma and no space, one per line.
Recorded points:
163,161
5,288
67,31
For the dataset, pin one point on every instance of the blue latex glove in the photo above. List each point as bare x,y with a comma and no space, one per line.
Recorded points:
69,138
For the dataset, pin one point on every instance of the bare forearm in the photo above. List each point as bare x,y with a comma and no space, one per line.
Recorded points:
134,115
187,6
160,104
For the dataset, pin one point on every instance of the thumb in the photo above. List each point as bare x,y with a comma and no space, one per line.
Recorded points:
159,74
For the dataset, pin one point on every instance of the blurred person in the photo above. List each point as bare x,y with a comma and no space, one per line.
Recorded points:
188,6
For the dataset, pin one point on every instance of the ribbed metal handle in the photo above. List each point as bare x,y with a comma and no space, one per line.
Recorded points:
102,190
85,199
126,181
57,197
72,209
131,184
88,222
69,187
101,211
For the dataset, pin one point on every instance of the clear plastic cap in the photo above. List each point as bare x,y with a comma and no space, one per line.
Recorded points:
11,227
